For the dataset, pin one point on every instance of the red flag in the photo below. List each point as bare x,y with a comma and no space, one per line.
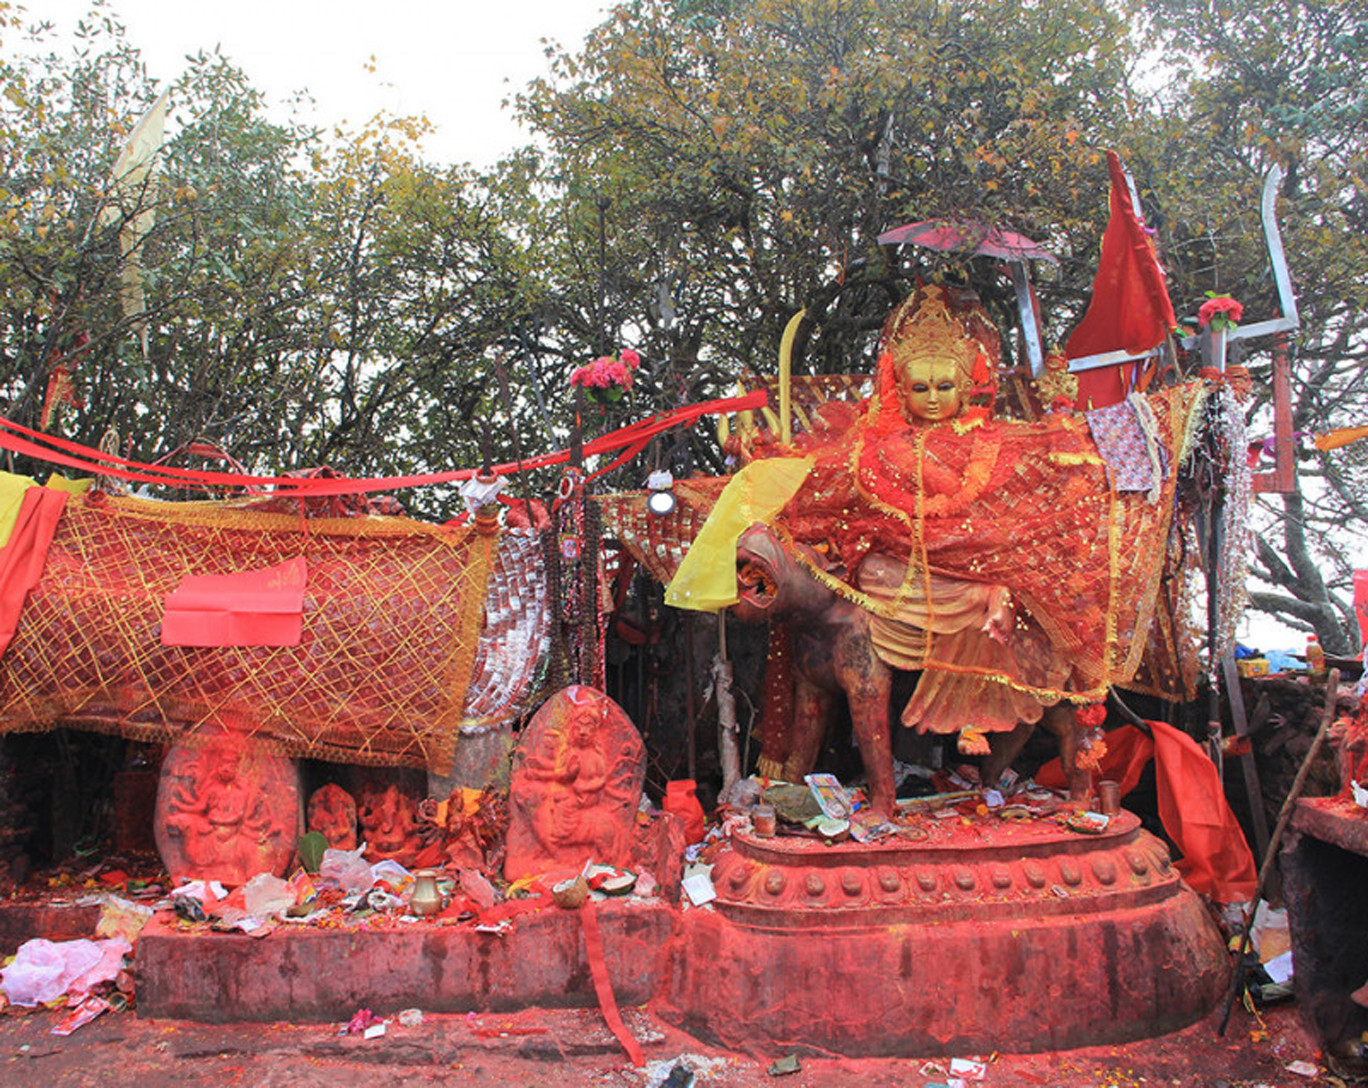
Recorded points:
1130,309
253,608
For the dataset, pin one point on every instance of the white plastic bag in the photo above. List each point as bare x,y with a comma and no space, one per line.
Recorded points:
266,894
347,869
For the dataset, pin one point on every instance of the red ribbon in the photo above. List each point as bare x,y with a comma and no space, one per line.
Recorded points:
603,985
631,439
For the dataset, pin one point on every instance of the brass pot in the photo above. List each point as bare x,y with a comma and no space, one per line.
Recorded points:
426,899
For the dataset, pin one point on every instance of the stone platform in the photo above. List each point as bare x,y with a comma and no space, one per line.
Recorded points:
978,935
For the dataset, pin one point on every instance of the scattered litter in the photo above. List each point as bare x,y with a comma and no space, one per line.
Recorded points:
266,894
44,970
411,1018
993,798
477,886
698,886
833,798
1269,933
122,918
608,880
789,1063
81,1015
188,909
374,1031
696,1066
360,1021
502,928
1303,1069
968,1069
1087,823
346,868
1279,968
394,876
681,1076
832,830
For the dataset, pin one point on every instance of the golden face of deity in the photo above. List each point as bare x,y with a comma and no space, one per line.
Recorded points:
930,390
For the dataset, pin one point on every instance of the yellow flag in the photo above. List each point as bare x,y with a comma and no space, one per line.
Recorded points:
706,579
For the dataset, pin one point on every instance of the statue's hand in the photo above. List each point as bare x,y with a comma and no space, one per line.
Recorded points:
1001,615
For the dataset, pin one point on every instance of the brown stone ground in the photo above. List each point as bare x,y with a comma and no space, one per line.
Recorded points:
573,1049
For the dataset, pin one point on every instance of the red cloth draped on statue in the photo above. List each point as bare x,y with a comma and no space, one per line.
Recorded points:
1022,505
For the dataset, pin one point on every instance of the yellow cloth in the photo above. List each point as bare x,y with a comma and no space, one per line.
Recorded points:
12,490
72,487
706,579
1333,440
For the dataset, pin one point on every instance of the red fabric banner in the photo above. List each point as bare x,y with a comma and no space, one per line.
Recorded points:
252,608
1130,308
24,555
1216,859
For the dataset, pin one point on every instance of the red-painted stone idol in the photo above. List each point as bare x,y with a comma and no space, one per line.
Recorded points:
577,777
387,807
226,810
332,813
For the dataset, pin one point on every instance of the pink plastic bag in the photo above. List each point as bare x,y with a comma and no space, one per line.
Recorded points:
44,970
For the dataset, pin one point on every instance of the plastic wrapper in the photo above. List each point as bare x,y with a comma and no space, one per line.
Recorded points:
347,869
44,970
265,895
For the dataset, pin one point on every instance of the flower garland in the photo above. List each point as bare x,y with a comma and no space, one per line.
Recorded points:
1221,312
608,377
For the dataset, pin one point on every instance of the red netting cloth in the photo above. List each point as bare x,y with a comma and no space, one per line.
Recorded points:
659,543
392,616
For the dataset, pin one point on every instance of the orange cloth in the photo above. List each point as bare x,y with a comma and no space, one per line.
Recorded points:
24,554
1216,859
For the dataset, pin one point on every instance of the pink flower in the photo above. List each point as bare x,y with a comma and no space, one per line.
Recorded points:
1220,312
603,373
630,358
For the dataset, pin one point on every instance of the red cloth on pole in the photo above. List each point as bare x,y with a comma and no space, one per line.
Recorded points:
23,556
1130,309
1216,859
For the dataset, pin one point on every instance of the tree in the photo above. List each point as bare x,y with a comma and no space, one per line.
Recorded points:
1240,99
749,154
311,298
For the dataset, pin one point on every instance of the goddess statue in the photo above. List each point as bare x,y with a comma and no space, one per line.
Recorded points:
998,558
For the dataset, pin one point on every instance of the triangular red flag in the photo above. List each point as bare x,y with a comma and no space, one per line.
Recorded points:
1130,309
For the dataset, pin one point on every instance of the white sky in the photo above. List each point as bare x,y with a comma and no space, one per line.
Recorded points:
452,60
